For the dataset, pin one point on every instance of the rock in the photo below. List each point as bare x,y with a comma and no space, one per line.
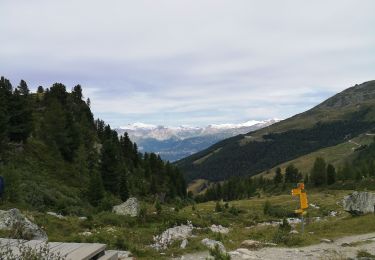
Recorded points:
172,234
55,215
211,244
333,213
82,218
314,206
359,203
294,232
219,229
184,243
129,208
254,245
12,217
242,253
86,233
325,240
121,254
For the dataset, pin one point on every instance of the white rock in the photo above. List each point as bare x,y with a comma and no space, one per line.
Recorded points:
219,229
359,203
86,233
55,215
314,206
212,244
170,235
294,232
325,240
184,243
130,208
14,217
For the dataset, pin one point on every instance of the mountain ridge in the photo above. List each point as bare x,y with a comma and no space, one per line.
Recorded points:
348,113
173,143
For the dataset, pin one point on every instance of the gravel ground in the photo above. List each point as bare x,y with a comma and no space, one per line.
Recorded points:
342,248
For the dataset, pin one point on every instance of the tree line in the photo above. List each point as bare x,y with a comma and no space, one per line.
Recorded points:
53,133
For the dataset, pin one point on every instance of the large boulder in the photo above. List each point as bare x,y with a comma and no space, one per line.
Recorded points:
129,208
170,235
13,220
359,203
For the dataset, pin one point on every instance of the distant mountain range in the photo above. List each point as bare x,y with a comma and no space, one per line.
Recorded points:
174,143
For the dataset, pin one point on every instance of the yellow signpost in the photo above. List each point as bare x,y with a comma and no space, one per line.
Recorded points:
301,193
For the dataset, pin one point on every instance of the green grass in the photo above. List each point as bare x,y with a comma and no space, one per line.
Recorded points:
135,234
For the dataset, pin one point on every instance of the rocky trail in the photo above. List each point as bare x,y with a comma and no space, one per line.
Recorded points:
343,248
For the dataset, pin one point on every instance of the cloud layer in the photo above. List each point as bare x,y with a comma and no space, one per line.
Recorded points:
191,62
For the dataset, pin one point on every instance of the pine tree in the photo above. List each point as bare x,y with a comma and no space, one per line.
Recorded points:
331,174
124,192
292,174
95,189
278,176
319,172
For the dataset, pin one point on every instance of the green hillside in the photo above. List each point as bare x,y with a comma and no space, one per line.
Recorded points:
54,155
335,121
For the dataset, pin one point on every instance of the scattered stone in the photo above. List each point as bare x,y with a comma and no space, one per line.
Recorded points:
314,206
82,218
243,253
55,215
130,208
121,254
86,233
172,234
184,243
9,218
212,244
333,213
345,244
325,240
294,232
219,229
251,244
359,203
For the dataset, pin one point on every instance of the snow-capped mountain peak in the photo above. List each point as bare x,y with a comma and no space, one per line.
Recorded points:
173,143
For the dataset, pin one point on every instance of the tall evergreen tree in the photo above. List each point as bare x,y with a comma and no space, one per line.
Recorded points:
331,174
319,172
292,174
278,176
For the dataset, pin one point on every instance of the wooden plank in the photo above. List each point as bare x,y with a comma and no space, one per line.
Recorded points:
67,248
86,252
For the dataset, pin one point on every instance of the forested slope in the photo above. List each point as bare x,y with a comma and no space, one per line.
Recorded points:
54,155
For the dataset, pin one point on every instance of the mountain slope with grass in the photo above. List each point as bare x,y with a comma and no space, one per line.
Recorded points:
335,121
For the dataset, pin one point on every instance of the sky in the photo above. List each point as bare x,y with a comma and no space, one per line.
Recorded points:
190,62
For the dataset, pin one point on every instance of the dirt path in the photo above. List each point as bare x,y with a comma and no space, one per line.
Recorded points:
340,249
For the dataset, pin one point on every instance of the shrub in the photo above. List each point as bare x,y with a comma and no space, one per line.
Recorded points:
18,231
234,211
218,255
276,211
28,253
218,207
158,207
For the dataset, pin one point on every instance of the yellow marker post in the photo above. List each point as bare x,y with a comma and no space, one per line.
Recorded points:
301,193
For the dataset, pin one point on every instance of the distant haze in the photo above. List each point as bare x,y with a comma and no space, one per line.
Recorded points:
190,62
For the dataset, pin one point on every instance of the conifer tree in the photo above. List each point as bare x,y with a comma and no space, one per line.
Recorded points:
318,173
278,176
331,174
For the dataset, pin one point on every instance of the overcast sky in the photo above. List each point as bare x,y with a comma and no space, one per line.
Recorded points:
191,62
